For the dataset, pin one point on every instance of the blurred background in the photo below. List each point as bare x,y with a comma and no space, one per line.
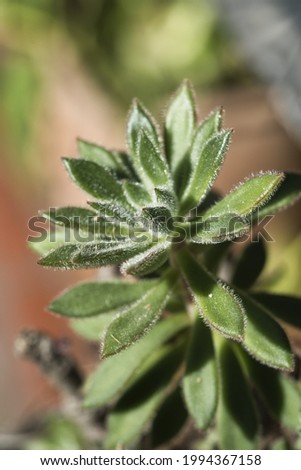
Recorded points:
70,68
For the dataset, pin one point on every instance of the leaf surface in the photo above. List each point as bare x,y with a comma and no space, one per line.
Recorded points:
218,229
138,406
116,161
148,261
48,242
166,198
287,194
207,159
248,196
136,194
200,382
179,126
237,420
154,171
216,302
92,298
211,125
75,217
113,374
264,339
157,219
96,180
140,120
92,328
279,393
92,255
136,320
168,424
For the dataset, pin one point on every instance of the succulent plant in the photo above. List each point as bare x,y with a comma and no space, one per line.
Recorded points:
183,332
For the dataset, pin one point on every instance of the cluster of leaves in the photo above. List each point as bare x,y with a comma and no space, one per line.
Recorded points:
177,341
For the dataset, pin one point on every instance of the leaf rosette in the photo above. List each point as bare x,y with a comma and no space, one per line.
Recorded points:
174,332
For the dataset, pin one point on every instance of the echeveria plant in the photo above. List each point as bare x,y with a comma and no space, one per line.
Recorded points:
183,332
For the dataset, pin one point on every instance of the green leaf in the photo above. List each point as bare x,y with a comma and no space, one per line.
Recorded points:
217,229
78,223
176,304
92,255
140,120
81,220
166,198
95,180
237,420
264,338
58,433
49,241
136,194
167,424
112,210
284,307
116,161
92,328
206,162
200,382
148,261
138,406
152,168
113,374
287,194
179,126
136,320
218,305
92,298
250,264
279,393
77,217
248,196
211,125
157,219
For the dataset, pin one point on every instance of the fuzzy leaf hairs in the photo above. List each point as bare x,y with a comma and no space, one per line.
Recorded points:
175,338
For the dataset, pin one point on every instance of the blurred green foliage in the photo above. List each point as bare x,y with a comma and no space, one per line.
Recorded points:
59,434
131,48
146,48
20,86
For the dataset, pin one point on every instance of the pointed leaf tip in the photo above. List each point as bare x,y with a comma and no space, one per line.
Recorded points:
206,160
249,195
93,298
92,255
116,161
286,195
140,119
96,180
179,125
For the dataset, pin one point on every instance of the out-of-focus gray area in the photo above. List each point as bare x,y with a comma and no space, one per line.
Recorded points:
269,35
